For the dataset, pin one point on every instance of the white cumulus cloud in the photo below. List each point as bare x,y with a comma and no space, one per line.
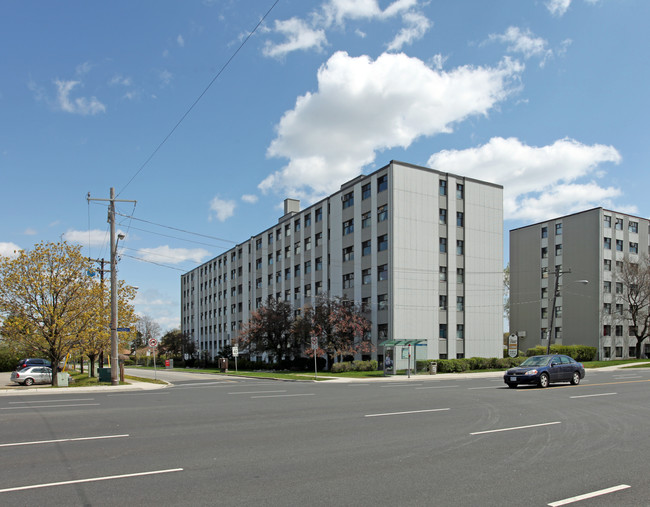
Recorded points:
167,255
524,42
361,108
8,249
249,198
94,237
298,36
558,7
538,182
222,209
80,105
416,26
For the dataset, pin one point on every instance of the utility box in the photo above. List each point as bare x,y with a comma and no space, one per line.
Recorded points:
223,364
104,374
62,379
169,364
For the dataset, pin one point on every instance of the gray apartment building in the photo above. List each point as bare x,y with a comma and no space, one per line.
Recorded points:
592,245
420,249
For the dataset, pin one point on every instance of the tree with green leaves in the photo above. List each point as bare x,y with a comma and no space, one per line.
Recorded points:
635,298
47,300
177,344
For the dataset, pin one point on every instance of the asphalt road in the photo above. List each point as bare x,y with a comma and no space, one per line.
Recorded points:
212,440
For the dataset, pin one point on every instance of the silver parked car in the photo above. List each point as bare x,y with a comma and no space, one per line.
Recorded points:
32,375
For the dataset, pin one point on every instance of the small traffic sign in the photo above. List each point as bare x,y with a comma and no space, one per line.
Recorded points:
314,342
124,329
153,342
235,351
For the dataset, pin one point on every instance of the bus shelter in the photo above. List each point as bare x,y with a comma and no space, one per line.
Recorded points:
400,355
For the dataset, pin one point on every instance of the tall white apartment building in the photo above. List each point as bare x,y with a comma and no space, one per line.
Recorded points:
420,249
592,245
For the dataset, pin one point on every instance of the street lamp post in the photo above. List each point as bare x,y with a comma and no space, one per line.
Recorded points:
556,291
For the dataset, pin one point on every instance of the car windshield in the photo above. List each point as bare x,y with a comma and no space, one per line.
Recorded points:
536,361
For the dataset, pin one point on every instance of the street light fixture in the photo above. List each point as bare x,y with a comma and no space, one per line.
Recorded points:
556,291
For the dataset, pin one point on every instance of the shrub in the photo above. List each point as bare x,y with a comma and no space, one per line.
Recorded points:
580,353
354,366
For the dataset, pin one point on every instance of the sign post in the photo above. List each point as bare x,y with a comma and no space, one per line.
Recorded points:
513,345
314,346
153,343
235,354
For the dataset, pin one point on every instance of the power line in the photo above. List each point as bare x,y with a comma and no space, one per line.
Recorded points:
223,68
151,262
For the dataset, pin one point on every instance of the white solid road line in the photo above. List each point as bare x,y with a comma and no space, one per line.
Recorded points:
92,479
592,395
586,496
283,395
408,412
434,387
59,440
50,401
258,392
515,428
50,406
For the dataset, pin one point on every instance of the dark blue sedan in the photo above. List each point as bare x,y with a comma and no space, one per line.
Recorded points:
542,370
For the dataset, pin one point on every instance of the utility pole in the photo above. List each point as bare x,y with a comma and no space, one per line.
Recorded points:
111,220
101,262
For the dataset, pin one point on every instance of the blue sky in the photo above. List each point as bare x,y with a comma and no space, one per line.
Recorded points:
546,97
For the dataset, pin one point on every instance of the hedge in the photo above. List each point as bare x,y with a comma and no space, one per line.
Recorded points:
580,353
354,366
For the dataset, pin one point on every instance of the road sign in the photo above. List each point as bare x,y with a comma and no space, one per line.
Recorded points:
314,342
235,351
124,329
153,342
513,345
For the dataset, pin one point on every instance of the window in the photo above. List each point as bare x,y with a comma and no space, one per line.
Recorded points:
348,253
619,245
607,352
296,225
287,274
460,303
442,302
307,267
544,313
319,264
382,301
607,265
318,214
634,248
296,271
348,227
258,283
544,253
619,308
287,230
382,183
607,221
619,351
348,281
443,245
558,311
307,244
319,238
296,248
365,220
366,248
460,247
319,288
619,266
460,331
382,272
544,232
443,273
460,275
544,293
366,276
619,224
607,287
258,264
348,200
278,276
382,213
633,227
308,220
442,331
308,290
443,187
607,330
382,242
607,308
278,234
258,244
460,191
442,216
607,243
558,249
287,252
269,260
558,229
618,330
365,191
460,219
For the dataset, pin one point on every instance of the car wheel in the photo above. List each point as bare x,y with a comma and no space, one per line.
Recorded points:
575,380
543,380
29,381
512,386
